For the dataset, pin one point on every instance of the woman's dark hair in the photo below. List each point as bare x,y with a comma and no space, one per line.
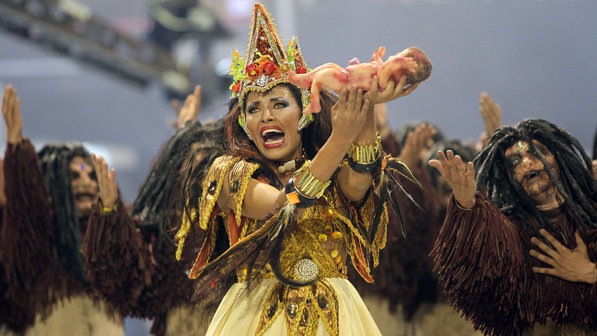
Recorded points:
576,184
156,204
55,162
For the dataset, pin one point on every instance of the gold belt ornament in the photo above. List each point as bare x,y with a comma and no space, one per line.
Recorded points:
306,270
302,308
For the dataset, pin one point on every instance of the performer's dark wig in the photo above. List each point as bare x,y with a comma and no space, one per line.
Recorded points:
55,162
577,185
157,205
466,152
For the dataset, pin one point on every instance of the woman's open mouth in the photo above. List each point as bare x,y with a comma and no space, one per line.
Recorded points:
272,137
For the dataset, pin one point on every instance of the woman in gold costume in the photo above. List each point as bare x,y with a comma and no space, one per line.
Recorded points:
293,201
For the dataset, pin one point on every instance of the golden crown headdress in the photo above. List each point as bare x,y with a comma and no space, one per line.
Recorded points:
267,63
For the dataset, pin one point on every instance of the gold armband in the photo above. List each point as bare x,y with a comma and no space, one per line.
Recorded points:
366,154
308,185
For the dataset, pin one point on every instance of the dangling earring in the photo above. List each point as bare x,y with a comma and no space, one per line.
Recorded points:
305,120
243,125
308,118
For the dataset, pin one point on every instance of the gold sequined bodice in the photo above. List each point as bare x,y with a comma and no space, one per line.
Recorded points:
316,247
316,241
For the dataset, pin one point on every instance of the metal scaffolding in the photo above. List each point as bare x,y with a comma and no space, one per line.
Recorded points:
71,29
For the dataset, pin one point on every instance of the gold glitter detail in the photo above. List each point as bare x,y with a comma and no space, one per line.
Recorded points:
315,302
185,227
216,172
351,234
336,234
242,171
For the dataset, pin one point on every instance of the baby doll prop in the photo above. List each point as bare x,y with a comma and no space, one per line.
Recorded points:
411,62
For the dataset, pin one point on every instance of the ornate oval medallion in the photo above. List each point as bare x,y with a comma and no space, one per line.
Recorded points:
306,270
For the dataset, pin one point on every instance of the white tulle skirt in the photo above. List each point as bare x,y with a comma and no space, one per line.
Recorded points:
240,311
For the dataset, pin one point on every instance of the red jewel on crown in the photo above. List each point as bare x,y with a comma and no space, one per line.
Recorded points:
269,67
252,70
301,70
236,87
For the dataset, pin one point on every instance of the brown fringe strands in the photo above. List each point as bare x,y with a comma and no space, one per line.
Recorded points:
482,258
35,282
26,236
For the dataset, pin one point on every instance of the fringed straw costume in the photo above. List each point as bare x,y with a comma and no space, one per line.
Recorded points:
482,254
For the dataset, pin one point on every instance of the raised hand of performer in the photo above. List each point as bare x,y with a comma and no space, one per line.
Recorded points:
353,121
108,189
11,111
572,265
417,143
349,114
595,169
492,116
460,177
190,109
391,92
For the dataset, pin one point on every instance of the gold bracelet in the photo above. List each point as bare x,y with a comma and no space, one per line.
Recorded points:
107,210
366,154
308,185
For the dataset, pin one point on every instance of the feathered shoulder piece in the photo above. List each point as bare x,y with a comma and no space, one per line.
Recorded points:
236,173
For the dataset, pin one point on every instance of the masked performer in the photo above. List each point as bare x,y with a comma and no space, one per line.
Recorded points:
130,259
47,208
520,261
292,210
